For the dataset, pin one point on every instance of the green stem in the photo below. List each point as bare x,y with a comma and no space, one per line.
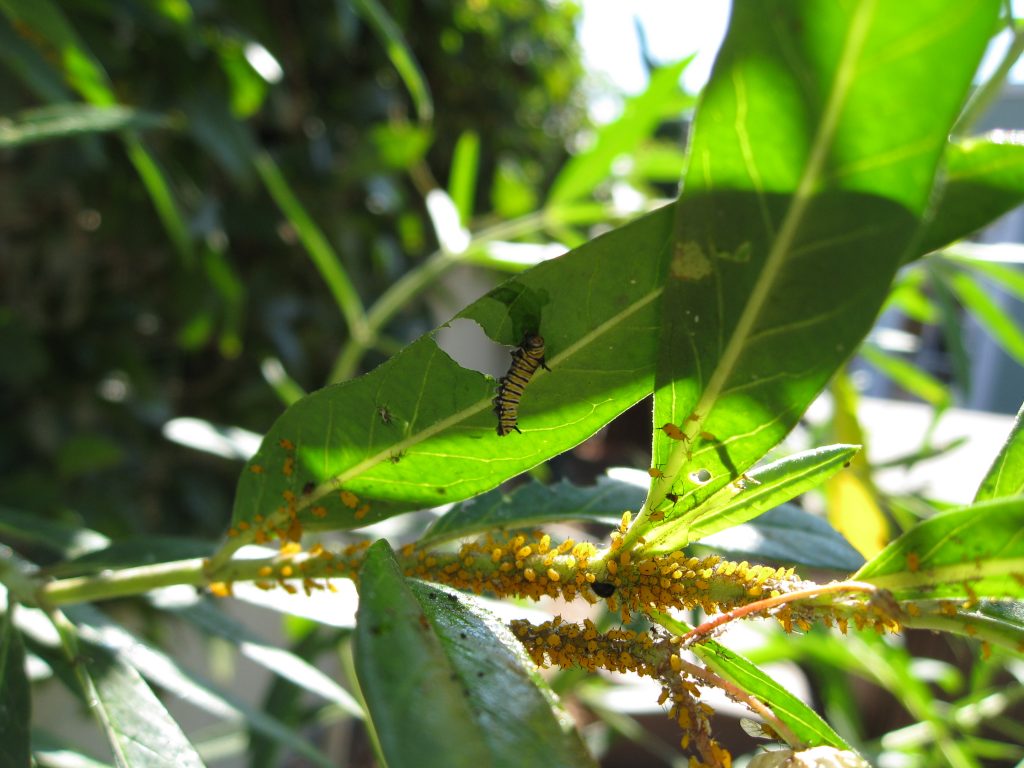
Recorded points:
316,244
990,90
120,583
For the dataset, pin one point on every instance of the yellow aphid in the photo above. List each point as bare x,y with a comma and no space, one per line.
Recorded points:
349,499
287,444
672,431
256,469
913,562
655,473
221,588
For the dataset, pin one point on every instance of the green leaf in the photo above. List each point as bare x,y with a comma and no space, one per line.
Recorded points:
140,731
51,751
67,540
443,684
760,490
805,723
287,665
419,431
462,177
400,54
533,505
15,695
620,138
984,179
62,121
96,628
978,299
908,376
788,534
803,196
973,551
1006,475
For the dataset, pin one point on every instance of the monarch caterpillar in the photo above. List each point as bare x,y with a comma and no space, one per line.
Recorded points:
526,359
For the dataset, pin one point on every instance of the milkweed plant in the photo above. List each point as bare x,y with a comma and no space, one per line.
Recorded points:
825,159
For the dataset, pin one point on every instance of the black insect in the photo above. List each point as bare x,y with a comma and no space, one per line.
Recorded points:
526,359
603,588
385,414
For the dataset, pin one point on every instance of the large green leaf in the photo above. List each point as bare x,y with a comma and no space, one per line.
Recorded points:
419,430
977,550
444,686
805,723
1006,475
984,178
15,695
812,162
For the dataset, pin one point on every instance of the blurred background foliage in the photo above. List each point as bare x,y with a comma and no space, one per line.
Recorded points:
197,196
112,323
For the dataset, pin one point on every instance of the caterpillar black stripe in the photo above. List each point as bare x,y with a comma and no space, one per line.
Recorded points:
526,359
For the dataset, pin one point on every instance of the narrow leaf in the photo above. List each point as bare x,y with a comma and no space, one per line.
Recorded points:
140,731
534,504
758,491
1006,475
978,299
63,121
66,540
279,661
15,695
984,178
161,670
443,685
462,177
976,551
908,376
400,54
805,723
621,138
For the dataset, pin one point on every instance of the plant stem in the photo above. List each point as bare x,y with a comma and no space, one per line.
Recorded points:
316,245
990,90
128,581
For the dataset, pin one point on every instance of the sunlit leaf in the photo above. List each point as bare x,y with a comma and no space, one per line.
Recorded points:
621,137
800,202
805,723
908,376
758,491
984,178
1006,475
419,430
977,550
140,730
160,669
985,307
